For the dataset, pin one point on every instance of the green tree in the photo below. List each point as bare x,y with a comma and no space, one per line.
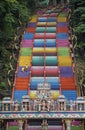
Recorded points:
14,14
78,22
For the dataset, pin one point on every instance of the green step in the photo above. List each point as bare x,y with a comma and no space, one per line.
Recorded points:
62,51
26,51
62,14
76,127
13,128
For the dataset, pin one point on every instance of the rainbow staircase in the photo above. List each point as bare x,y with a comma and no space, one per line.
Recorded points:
44,59
45,56
67,80
38,60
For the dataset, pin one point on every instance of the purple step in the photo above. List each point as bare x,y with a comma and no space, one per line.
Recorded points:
62,24
66,72
13,123
66,69
27,43
55,128
34,128
76,123
32,24
66,75
21,73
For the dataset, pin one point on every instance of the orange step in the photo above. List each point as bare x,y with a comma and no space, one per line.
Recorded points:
67,80
31,30
22,83
68,87
22,79
21,87
62,29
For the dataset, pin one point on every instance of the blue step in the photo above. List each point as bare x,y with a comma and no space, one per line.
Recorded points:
70,94
28,36
51,19
38,43
42,19
19,93
51,43
62,35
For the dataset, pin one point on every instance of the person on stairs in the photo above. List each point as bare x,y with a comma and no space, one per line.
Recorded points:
26,68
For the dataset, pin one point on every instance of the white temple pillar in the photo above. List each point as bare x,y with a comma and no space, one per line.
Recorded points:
20,122
68,124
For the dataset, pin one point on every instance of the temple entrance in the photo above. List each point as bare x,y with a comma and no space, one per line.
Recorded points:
44,124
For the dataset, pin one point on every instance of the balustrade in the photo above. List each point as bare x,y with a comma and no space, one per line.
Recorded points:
44,105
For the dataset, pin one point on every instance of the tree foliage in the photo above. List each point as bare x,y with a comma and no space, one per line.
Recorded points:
13,14
78,22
